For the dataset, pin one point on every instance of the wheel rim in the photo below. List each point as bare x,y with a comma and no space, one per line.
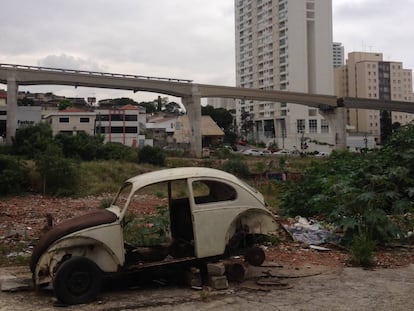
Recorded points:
79,282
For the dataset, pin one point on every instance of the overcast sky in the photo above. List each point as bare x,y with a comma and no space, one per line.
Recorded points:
189,39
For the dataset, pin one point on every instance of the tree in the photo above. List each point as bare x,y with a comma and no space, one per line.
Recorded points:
151,155
118,102
246,123
386,125
150,107
30,140
172,107
81,146
64,104
221,116
25,102
59,175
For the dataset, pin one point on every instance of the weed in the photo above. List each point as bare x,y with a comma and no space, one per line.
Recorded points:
149,231
105,203
160,194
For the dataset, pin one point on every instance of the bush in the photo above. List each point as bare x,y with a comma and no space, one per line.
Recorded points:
32,139
362,250
150,230
236,167
118,151
151,155
5,149
359,192
14,177
81,146
59,175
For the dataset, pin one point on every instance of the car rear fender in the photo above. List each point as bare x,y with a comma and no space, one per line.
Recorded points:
253,221
79,246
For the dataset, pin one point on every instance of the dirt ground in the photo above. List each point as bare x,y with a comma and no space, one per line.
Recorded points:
300,278
309,288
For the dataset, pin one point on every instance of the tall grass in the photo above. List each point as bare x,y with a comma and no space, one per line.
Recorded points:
99,177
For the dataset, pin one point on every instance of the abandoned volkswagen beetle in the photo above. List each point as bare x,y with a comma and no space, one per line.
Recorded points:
209,214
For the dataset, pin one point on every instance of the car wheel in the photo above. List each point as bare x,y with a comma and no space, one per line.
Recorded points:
255,256
77,280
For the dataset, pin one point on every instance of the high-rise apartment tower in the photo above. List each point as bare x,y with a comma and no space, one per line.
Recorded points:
367,75
285,45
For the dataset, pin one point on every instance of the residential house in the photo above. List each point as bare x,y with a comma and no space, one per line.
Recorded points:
161,127
211,133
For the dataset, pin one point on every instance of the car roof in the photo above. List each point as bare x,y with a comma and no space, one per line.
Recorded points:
180,173
163,175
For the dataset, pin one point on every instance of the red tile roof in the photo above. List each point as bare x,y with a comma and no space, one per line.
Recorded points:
71,109
129,107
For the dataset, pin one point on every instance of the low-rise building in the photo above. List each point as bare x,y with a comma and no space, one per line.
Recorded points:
211,133
71,121
123,125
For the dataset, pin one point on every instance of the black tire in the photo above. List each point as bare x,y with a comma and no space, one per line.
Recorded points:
255,256
77,280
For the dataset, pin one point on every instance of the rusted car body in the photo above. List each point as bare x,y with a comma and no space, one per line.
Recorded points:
211,214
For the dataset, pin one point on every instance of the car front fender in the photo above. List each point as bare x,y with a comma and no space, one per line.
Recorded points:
78,246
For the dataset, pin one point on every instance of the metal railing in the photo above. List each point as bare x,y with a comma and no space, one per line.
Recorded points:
93,73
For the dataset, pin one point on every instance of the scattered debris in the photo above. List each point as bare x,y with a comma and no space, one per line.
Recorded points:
310,232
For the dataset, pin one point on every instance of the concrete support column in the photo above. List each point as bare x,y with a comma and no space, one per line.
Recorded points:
12,89
193,106
337,123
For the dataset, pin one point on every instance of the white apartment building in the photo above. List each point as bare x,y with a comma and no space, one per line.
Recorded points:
338,54
285,45
367,75
226,103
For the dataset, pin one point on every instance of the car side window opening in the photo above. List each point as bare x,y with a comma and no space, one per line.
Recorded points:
211,191
159,216
147,221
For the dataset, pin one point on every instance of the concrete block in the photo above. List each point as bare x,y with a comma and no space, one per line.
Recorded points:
216,269
193,277
219,282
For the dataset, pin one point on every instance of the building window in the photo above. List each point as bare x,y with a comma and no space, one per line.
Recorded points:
300,125
313,126
64,120
324,126
131,117
84,120
117,117
120,129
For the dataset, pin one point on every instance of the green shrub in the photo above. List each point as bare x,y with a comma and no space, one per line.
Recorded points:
150,230
222,153
14,177
5,149
31,140
118,151
151,155
236,167
80,146
362,250
105,203
59,175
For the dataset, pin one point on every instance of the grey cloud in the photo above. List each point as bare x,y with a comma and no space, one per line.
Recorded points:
69,62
